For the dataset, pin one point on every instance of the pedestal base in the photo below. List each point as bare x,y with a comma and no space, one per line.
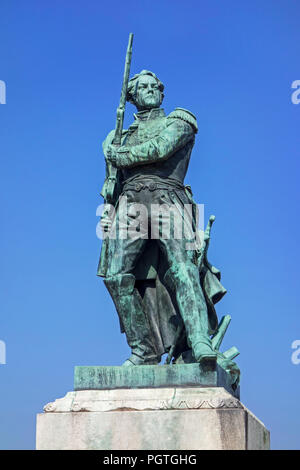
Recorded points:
169,418
154,376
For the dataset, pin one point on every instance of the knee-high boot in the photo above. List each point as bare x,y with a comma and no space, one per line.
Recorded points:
183,279
136,326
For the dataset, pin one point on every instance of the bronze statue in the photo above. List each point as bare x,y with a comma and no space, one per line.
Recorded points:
163,288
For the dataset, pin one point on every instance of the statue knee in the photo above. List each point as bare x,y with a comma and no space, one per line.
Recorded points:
181,272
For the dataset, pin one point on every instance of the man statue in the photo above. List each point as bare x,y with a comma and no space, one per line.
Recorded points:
151,163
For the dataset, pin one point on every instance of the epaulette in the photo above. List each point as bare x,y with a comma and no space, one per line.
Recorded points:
186,116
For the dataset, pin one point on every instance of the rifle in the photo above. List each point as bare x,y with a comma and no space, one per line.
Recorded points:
111,171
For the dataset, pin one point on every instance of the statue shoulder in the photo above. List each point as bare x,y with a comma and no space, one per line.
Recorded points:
184,115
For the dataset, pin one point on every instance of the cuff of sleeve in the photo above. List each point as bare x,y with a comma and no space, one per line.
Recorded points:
122,157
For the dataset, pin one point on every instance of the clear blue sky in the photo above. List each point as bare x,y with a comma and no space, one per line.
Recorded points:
232,64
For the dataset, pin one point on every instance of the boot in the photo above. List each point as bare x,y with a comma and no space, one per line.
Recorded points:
203,350
137,329
183,279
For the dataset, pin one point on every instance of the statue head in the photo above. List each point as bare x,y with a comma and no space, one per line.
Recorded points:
145,91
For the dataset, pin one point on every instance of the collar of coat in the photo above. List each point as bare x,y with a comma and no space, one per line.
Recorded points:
148,114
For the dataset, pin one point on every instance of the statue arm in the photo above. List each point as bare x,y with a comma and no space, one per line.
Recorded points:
172,138
108,141
105,145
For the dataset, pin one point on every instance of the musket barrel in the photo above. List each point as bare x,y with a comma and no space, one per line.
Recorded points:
126,71
119,122
121,108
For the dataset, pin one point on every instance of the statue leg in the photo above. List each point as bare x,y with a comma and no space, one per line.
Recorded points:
182,275
183,278
147,290
121,284
136,326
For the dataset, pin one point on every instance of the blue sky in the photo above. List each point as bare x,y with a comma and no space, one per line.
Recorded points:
232,64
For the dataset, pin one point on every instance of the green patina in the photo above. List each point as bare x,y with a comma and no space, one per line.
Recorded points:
152,376
164,290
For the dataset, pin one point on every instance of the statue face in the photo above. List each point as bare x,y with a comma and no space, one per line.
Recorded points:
148,95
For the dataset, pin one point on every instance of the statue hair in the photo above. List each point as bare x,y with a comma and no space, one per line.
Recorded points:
133,83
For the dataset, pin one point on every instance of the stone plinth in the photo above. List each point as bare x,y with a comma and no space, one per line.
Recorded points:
166,418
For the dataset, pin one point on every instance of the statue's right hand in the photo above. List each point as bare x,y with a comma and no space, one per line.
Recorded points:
105,223
111,154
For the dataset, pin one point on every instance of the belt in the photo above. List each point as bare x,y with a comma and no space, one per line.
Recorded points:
152,185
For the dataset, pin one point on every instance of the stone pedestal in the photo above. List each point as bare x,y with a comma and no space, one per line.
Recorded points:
164,418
